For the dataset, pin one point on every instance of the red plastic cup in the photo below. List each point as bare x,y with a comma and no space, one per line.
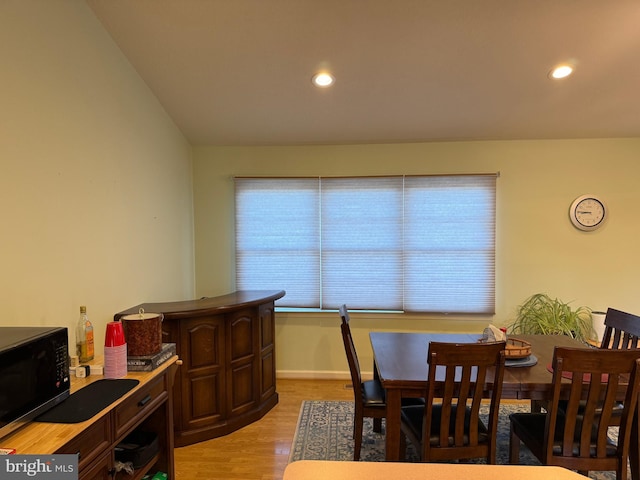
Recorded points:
114,336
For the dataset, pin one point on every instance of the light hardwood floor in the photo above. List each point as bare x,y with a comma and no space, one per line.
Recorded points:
259,451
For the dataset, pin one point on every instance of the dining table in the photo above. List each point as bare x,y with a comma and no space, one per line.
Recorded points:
400,364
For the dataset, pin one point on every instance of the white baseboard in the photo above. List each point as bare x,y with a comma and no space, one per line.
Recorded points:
318,375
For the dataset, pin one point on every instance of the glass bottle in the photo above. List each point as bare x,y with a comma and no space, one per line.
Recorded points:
84,337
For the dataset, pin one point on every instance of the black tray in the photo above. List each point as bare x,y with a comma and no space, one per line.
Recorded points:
138,448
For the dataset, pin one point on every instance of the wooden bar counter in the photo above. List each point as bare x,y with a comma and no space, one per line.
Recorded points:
227,345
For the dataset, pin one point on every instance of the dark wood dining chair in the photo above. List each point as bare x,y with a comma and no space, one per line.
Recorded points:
621,330
576,437
369,397
451,428
621,333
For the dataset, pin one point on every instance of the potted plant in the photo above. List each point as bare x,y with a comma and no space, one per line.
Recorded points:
541,314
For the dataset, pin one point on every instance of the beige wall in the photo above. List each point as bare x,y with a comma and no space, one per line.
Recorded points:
95,183
538,250
96,198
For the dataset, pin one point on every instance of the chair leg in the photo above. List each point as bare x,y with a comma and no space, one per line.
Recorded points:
514,448
538,405
491,456
357,444
403,447
621,474
358,422
632,462
377,425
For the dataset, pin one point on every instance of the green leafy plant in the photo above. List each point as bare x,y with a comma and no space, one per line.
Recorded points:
541,314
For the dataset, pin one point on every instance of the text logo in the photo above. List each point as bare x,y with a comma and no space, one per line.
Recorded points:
39,467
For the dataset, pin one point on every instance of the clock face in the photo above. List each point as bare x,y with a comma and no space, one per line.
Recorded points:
587,212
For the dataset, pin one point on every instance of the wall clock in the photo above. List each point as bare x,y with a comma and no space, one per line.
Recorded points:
587,212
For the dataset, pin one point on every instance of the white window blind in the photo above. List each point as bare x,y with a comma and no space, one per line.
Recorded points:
362,243
415,243
449,249
278,238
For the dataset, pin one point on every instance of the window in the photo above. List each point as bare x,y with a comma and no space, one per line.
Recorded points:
414,243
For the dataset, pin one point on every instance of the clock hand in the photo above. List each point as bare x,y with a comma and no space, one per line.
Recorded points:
583,211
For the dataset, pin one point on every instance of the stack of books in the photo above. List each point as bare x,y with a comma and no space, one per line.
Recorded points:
146,363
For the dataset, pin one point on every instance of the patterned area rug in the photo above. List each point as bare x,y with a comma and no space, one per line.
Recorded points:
324,432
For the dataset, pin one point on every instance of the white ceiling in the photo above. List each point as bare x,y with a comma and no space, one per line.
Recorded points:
237,72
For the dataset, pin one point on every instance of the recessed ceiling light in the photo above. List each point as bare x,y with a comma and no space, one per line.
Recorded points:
561,71
323,79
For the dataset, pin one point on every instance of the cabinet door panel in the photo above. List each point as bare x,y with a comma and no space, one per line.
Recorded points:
267,327
205,404
99,470
268,377
91,442
241,334
243,344
203,372
267,352
204,337
242,392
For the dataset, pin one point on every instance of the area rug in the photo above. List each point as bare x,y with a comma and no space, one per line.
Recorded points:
324,432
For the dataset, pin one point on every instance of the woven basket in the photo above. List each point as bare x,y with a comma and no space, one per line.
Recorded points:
517,348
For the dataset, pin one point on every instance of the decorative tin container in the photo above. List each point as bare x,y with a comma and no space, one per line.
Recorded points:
143,332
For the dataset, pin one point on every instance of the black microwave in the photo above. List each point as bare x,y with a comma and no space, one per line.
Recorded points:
34,373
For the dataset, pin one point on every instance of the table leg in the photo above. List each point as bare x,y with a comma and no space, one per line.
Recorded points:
376,374
392,430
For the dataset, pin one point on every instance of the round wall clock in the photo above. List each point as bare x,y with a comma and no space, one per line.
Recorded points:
587,212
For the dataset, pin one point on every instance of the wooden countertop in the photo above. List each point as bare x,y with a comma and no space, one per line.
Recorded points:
333,470
39,438
206,305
